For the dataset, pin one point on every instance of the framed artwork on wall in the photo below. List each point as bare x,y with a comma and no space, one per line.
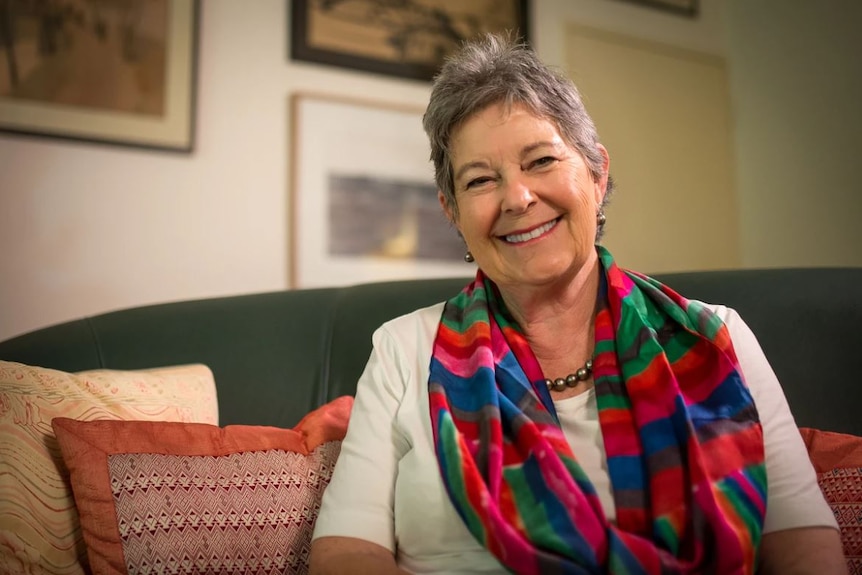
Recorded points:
363,203
409,38
689,8
111,72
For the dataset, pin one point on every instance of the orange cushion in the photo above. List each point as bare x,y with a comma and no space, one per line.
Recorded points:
830,450
837,458
179,497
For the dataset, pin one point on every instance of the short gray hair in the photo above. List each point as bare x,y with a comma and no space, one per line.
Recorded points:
494,69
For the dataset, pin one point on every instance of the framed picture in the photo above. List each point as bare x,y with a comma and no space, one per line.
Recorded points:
113,72
689,8
408,38
363,203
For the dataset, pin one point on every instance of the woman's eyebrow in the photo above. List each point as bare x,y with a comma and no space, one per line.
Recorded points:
468,166
540,144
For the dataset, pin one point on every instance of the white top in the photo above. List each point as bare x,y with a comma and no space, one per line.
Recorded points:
387,489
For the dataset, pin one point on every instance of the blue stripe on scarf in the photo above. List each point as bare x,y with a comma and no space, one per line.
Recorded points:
467,394
626,471
557,514
730,398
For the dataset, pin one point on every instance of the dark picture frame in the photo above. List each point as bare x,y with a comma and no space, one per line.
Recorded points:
120,73
407,41
689,8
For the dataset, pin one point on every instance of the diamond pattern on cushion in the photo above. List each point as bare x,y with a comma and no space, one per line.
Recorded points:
249,512
837,458
167,497
842,488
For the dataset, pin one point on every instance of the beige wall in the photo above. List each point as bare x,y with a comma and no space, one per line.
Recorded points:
663,112
86,228
796,76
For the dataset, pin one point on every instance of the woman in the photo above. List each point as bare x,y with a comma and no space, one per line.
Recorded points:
660,440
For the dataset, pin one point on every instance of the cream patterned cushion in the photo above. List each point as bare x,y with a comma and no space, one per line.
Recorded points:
39,527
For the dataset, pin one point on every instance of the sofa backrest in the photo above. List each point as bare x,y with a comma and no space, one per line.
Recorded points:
276,356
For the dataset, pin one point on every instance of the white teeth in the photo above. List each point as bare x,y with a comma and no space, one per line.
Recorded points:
518,238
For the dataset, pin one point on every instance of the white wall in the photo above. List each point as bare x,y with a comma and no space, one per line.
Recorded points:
87,228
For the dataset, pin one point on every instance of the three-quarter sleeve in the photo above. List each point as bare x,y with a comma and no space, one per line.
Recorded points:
794,498
359,499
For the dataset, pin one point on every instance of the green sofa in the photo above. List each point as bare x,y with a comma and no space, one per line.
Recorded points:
276,356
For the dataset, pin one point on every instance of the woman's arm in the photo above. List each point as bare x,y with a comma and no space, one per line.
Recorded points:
355,529
349,556
807,550
801,534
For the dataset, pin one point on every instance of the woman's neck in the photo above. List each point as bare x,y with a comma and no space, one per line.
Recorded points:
558,319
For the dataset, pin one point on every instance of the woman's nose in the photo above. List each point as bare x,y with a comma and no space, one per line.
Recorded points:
517,195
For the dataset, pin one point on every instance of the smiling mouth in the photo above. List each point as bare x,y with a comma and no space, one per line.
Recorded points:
532,234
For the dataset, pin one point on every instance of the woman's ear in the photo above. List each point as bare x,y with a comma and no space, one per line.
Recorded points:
601,187
447,208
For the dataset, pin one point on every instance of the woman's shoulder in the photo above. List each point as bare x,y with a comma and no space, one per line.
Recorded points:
740,334
728,315
748,350
421,323
405,344
423,315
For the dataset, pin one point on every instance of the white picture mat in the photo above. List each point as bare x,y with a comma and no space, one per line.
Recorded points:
337,136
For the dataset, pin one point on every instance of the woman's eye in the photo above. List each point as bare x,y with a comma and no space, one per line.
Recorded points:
544,161
477,182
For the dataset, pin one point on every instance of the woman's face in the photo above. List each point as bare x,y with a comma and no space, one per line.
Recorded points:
527,203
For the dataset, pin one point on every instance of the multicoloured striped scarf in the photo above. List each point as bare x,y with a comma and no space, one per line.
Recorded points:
682,436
